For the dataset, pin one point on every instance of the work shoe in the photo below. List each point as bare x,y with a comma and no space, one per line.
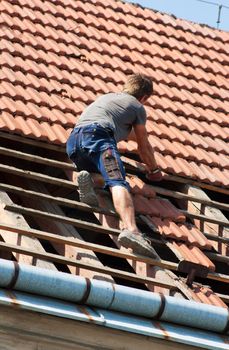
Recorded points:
86,190
137,242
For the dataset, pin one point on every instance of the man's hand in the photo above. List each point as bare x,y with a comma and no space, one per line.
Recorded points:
155,175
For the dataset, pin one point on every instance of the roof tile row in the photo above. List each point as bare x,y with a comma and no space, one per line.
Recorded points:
41,82
177,150
30,67
180,231
192,254
216,67
39,43
157,207
206,295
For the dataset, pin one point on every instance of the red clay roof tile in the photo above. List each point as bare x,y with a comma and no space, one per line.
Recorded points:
139,187
142,205
43,45
167,210
170,229
207,296
193,254
201,174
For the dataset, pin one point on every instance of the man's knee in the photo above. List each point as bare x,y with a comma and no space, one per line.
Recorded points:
119,185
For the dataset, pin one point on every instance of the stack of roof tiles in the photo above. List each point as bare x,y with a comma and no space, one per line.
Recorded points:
58,56
187,241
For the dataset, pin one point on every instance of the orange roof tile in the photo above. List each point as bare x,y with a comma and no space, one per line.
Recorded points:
193,254
206,296
180,232
58,56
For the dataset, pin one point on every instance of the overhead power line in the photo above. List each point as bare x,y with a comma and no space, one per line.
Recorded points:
220,6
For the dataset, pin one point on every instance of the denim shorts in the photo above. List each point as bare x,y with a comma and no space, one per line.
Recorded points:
93,148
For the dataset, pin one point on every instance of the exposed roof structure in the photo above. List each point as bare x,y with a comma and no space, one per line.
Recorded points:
57,57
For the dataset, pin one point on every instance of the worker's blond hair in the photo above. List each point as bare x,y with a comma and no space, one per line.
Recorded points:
138,85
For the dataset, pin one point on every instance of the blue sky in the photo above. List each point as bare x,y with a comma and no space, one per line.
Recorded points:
193,10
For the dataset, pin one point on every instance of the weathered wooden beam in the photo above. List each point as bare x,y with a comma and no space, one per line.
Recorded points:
101,249
77,263
10,218
68,166
216,238
32,142
218,277
64,202
180,195
58,200
60,228
37,159
217,257
110,231
91,227
128,161
205,218
186,180
82,244
224,297
77,223
37,176
84,207
69,184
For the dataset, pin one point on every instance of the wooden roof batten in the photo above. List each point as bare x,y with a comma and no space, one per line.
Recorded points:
67,166
136,166
78,205
97,228
94,247
69,184
77,223
84,207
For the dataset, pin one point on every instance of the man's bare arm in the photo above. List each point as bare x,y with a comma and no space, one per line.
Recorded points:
145,150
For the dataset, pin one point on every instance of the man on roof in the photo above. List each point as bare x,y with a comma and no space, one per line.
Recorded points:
92,146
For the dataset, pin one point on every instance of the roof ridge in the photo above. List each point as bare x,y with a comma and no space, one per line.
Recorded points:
186,21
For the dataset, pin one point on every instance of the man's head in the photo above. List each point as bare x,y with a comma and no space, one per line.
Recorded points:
139,86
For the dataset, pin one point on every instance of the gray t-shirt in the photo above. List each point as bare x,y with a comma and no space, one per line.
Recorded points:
117,111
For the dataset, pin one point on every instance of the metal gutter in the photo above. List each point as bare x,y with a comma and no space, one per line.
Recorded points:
115,320
110,296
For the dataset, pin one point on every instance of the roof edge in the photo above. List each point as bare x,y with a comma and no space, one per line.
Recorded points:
96,293
114,320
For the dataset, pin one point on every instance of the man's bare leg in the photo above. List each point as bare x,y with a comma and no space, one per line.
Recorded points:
130,237
123,204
